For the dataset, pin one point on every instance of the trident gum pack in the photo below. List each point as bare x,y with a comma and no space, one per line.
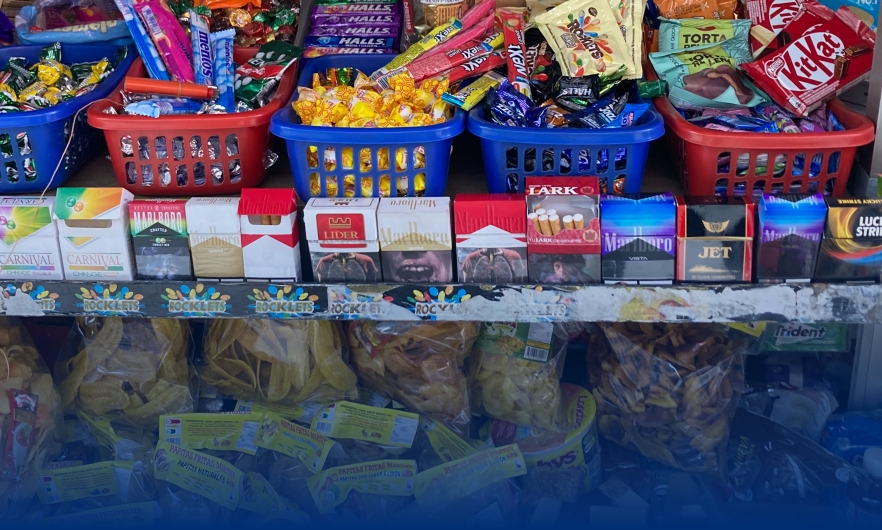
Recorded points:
851,250
639,238
790,229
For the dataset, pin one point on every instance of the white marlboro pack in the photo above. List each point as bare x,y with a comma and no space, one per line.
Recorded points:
270,242
215,238
491,238
93,233
29,239
563,229
342,239
415,240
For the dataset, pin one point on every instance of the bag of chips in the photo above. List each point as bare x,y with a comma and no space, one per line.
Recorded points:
126,370
668,390
31,425
277,361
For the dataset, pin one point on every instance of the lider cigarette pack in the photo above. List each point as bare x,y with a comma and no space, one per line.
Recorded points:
159,234
29,239
342,239
93,233
491,238
215,238
851,250
270,241
790,229
415,240
639,238
563,229
714,239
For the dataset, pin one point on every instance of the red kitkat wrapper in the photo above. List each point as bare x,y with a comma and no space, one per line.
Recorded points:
468,33
826,60
475,67
516,50
423,68
777,23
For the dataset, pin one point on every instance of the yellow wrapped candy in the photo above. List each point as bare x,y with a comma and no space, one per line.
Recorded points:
361,81
361,109
422,99
419,119
338,112
304,109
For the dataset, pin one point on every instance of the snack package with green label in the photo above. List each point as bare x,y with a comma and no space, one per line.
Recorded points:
680,34
515,373
438,445
371,492
707,76
257,79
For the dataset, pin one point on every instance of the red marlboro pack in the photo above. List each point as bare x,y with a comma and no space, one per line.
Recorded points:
343,239
824,61
270,242
563,229
491,240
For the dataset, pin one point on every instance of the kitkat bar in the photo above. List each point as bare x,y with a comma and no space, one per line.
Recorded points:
516,50
473,28
424,68
475,67
778,23
823,62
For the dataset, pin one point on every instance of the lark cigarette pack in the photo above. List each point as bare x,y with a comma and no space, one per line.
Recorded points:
790,229
342,239
714,239
159,235
215,238
29,239
639,238
270,241
563,230
93,233
416,244
491,238
851,250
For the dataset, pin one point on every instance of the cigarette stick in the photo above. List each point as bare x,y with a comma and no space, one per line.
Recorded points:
554,221
550,212
265,219
534,217
275,220
544,227
568,222
579,220
540,211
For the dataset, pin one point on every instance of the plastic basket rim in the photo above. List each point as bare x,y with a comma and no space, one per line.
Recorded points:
71,107
651,128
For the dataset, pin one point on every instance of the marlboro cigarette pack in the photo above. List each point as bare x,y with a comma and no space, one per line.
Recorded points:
563,229
215,238
714,239
270,241
29,239
159,234
851,250
342,239
491,238
415,240
790,229
639,238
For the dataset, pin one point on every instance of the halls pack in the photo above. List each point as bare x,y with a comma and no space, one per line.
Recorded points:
270,240
342,239
415,240
93,233
638,238
790,229
852,247
29,239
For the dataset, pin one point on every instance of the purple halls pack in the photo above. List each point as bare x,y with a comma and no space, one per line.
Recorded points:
357,20
638,237
350,9
355,31
334,41
790,230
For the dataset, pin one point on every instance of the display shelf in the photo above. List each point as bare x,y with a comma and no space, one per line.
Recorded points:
590,303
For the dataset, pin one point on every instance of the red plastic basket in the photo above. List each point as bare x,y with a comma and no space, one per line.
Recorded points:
729,163
190,155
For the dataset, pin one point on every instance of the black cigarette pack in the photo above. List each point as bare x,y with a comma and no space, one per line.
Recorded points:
851,250
714,239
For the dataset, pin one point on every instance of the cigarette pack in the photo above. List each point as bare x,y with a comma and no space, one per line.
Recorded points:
563,229
415,240
790,228
93,233
639,236
342,239
851,250
29,239
270,241
215,238
491,238
159,235
714,239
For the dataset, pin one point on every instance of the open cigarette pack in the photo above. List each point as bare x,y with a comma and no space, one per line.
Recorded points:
563,229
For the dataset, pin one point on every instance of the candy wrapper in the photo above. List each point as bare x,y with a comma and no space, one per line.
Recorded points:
516,51
697,9
473,94
169,38
203,66
689,33
256,80
156,107
222,50
436,37
478,65
146,49
768,19
476,23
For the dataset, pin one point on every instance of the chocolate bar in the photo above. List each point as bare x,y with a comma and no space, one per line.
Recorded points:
790,228
638,238
714,239
851,250
342,239
491,239
415,240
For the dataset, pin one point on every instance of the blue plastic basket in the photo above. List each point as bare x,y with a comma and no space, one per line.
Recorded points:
617,156
327,164
38,137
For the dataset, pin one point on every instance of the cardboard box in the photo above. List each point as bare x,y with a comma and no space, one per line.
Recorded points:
564,246
851,250
491,238
790,229
342,239
714,239
270,242
639,238
215,238
159,236
29,239
416,244
93,233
